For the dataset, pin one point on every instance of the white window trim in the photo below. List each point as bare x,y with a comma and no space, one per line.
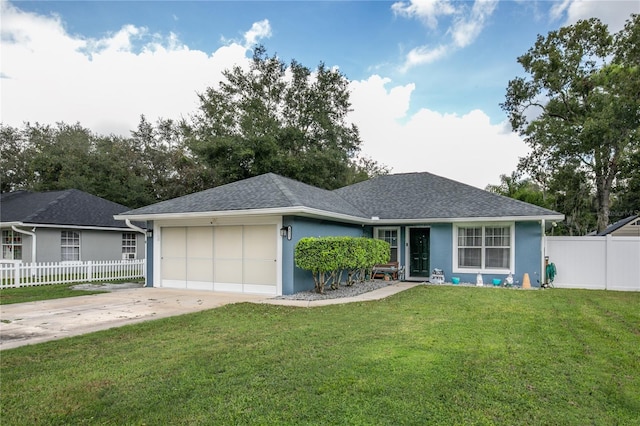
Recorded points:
12,245
512,252
125,256
79,247
389,228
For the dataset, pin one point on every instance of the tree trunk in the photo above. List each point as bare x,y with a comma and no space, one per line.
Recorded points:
603,192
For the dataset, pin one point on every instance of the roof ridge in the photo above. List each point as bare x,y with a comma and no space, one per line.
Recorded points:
63,194
284,189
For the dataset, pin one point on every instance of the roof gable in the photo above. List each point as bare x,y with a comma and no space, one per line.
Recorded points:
267,191
70,207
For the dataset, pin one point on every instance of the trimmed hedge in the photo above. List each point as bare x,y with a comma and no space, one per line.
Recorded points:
328,257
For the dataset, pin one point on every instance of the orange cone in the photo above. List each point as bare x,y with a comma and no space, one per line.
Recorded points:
525,281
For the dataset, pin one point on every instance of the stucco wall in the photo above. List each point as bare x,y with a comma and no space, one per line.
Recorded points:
527,255
94,245
441,248
295,279
528,251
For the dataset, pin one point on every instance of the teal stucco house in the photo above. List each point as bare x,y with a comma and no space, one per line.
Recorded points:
241,237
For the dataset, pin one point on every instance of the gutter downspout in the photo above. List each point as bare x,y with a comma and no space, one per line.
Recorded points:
143,232
543,249
134,227
33,244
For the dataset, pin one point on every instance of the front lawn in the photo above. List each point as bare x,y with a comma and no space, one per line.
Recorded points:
46,292
40,292
429,355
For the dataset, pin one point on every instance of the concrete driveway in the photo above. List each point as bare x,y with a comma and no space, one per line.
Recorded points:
34,322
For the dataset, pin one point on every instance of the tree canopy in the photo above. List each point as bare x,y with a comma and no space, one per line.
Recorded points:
579,106
276,118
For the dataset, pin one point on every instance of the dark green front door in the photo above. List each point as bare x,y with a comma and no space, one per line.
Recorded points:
419,248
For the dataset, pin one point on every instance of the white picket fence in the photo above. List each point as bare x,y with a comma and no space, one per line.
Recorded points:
16,274
603,263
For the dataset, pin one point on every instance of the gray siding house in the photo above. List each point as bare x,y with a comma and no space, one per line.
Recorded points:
241,237
65,226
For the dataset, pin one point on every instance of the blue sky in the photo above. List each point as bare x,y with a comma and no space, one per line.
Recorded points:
427,76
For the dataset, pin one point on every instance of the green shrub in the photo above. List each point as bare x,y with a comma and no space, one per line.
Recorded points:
328,257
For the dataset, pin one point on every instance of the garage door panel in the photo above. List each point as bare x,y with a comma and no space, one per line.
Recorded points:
259,289
174,242
200,242
199,269
259,242
259,272
174,269
228,271
227,242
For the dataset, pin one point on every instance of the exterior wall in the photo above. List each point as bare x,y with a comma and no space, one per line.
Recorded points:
527,257
295,279
94,245
441,248
528,252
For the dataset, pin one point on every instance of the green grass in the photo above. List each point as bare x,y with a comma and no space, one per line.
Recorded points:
429,355
44,292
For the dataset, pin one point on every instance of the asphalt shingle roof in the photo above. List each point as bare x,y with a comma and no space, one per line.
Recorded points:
426,196
68,207
261,192
399,196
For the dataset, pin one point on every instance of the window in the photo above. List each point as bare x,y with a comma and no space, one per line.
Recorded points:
11,245
389,235
70,246
129,245
484,248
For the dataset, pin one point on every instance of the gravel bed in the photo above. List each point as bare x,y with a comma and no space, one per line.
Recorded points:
342,291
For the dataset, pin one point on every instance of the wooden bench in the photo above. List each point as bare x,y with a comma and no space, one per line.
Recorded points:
387,271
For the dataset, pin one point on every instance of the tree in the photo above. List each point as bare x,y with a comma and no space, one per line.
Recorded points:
171,170
580,104
278,118
520,189
13,160
47,158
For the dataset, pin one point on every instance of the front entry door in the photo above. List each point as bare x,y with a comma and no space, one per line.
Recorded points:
419,250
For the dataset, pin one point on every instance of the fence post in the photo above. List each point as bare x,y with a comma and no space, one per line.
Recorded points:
89,271
16,274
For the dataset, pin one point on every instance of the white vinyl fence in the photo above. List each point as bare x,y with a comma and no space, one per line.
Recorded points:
15,274
604,263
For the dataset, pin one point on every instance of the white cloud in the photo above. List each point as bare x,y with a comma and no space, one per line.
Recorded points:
428,11
466,25
259,30
467,28
466,148
614,13
423,55
105,84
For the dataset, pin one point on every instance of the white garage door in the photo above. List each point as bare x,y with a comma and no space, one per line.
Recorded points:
220,258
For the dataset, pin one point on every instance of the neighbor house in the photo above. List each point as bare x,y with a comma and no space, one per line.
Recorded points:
627,227
241,237
65,226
